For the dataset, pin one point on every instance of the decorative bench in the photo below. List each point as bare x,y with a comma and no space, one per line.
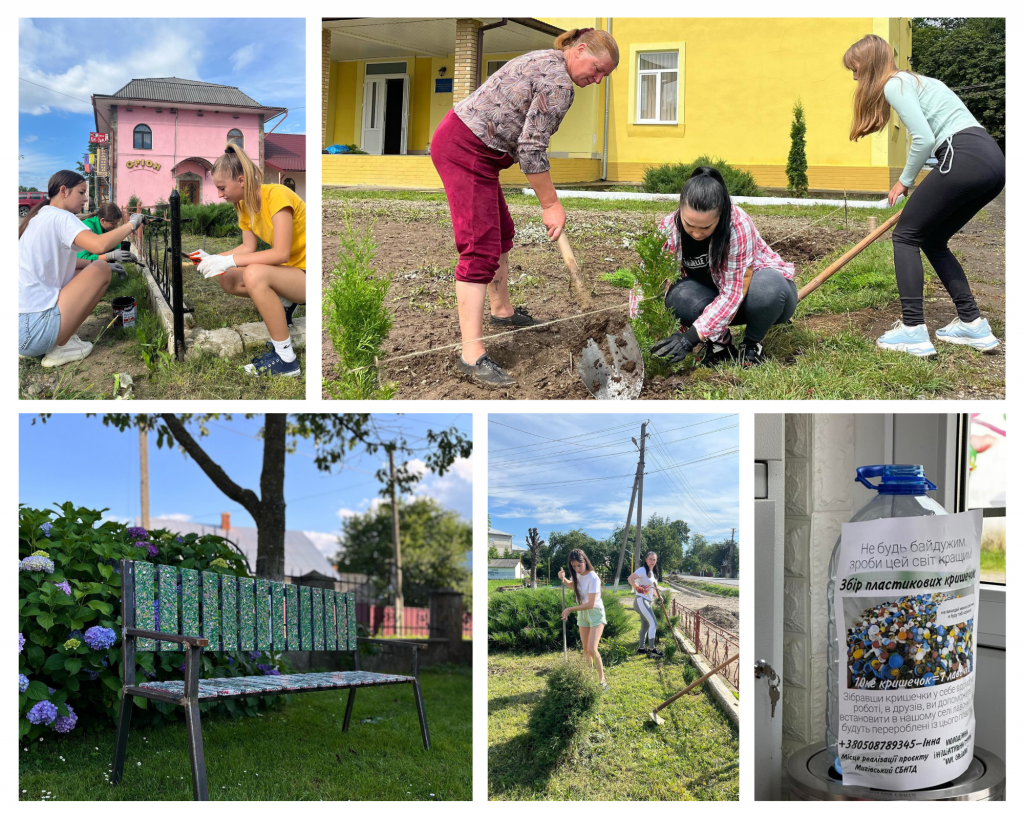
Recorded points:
220,612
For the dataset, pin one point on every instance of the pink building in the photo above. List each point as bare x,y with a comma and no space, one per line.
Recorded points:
286,161
165,133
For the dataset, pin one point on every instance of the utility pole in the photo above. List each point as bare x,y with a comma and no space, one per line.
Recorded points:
638,488
399,600
732,546
144,476
640,492
625,532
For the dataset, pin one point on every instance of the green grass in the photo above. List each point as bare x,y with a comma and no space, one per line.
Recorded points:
619,754
297,752
712,588
993,563
869,280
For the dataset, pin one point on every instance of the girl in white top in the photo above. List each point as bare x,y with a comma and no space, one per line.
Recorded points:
590,617
645,584
57,291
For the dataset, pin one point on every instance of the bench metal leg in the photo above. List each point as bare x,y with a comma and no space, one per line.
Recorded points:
423,717
195,752
124,718
348,708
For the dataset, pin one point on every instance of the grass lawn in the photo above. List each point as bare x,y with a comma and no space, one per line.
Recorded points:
623,756
297,752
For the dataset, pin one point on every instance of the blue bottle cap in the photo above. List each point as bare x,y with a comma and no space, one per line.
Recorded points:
897,479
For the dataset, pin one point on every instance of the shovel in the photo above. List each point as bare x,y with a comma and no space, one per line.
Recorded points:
576,283
620,379
654,714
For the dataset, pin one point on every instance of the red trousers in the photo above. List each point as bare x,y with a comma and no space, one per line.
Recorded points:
469,171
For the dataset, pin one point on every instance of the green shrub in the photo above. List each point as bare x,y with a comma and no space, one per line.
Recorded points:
568,704
356,318
623,277
796,164
655,320
531,620
74,547
671,178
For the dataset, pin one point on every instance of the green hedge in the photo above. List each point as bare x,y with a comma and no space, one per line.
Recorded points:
531,620
671,178
61,662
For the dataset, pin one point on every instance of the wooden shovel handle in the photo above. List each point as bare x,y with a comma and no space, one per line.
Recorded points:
848,256
695,683
567,255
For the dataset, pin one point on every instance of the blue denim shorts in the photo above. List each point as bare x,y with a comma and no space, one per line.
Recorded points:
37,332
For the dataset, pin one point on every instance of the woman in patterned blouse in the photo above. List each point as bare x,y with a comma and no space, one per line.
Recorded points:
510,118
728,275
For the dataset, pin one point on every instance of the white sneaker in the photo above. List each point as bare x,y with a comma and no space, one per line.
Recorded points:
976,334
74,350
913,340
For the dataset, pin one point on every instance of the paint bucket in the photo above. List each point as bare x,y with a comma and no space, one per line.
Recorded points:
125,312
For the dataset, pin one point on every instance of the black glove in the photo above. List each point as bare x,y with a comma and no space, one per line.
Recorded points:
677,346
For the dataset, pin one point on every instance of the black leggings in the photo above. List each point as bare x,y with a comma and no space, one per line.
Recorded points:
942,204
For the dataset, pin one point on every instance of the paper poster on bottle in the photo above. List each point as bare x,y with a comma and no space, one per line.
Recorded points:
906,597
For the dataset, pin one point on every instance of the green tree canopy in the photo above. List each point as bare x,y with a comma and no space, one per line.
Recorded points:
435,544
969,55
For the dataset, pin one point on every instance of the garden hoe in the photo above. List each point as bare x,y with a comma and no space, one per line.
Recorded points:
654,714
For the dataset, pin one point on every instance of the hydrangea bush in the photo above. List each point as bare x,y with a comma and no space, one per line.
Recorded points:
69,619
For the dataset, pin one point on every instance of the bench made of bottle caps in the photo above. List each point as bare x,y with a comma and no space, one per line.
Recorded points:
164,608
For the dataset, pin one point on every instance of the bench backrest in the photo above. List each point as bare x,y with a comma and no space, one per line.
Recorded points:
236,613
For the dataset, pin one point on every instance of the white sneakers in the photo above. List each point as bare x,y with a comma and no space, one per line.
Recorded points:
914,340
74,350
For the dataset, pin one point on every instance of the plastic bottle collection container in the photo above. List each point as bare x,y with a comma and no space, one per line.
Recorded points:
901,494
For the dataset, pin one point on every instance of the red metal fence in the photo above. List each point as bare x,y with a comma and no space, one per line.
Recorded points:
380,620
713,641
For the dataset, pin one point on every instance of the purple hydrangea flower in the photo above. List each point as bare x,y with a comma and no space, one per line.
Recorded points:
76,634
51,691
92,675
100,638
21,642
64,587
254,655
42,713
151,549
179,539
37,563
64,725
268,670
22,683
181,668
46,527
137,532
231,660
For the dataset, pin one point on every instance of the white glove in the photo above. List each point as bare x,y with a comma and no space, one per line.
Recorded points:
119,256
198,255
136,220
215,266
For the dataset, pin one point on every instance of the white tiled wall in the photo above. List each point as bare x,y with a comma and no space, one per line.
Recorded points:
819,469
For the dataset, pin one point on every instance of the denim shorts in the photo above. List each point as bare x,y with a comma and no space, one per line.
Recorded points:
588,618
37,332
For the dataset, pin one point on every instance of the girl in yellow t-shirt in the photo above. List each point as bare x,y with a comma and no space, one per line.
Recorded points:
274,279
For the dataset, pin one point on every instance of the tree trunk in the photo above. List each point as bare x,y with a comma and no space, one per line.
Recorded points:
271,521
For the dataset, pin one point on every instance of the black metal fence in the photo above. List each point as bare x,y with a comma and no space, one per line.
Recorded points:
160,248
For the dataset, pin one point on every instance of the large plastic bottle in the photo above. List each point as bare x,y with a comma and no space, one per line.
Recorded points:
901,494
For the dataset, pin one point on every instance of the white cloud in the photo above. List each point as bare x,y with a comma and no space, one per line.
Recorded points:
344,513
325,542
180,517
30,138
417,467
455,486
35,169
243,57
555,515
161,51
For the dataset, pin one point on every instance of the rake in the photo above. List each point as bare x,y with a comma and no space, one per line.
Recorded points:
654,714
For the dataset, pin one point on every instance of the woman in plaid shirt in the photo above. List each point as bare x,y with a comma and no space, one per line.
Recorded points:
728,276
510,118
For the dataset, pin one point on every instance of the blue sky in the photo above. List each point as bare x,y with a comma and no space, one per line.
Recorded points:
265,58
534,460
76,458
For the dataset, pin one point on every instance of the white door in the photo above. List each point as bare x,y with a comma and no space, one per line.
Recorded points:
405,111
374,93
769,527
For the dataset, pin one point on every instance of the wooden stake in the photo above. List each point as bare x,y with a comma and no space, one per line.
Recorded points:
847,257
577,283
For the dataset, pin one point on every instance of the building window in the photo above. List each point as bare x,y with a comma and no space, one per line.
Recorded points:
386,68
494,65
658,92
289,183
235,138
142,138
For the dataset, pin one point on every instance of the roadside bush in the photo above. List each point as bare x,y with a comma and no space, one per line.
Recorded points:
214,219
69,620
671,178
356,318
568,704
531,620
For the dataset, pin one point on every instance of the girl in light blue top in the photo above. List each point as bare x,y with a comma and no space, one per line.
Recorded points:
971,172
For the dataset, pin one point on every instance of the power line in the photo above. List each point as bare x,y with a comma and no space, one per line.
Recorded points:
565,440
55,91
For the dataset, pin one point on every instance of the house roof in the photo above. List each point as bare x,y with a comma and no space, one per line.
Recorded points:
300,554
286,152
497,532
502,563
175,89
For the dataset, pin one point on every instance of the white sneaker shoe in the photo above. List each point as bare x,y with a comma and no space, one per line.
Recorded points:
74,350
913,340
976,334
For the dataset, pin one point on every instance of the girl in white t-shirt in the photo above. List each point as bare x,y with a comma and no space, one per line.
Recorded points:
57,291
590,614
645,583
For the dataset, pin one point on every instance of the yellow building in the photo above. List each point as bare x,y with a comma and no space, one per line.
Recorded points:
683,88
